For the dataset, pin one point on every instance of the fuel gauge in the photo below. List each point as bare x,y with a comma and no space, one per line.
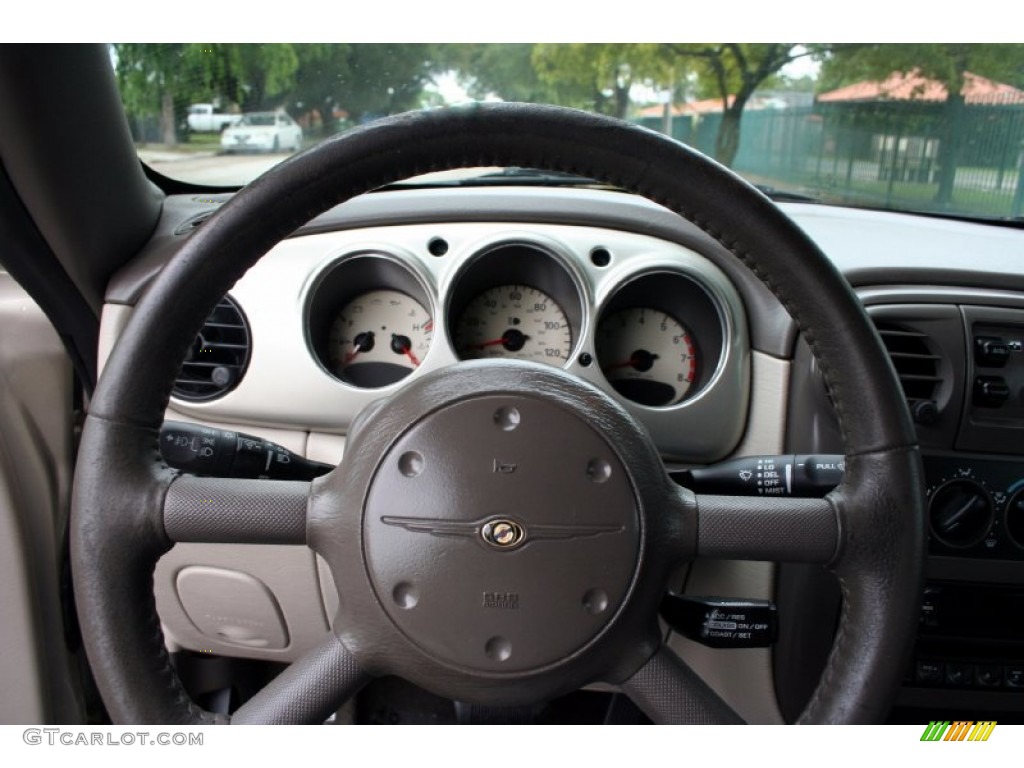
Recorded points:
379,338
646,355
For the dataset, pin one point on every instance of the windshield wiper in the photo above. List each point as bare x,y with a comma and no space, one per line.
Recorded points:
535,176
515,176
507,177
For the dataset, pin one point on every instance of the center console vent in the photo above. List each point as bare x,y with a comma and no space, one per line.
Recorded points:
926,344
917,365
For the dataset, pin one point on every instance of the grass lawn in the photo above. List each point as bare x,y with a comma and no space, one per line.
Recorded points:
915,196
196,142
922,197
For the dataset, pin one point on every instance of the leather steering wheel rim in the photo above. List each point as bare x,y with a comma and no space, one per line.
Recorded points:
119,528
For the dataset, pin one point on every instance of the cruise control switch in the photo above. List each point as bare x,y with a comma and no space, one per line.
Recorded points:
808,476
201,450
722,622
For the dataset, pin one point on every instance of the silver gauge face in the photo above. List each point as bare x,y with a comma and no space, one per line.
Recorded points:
646,355
379,338
514,321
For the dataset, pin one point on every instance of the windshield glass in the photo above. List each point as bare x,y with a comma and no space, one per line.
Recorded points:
935,127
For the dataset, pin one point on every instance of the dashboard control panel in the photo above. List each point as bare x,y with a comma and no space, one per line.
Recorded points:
970,638
975,507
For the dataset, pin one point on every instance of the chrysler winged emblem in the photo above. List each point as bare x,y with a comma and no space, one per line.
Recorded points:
497,532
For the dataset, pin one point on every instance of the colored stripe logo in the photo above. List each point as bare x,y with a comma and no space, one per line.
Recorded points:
960,730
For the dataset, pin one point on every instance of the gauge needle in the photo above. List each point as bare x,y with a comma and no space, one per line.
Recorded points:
512,339
351,354
641,360
401,345
363,342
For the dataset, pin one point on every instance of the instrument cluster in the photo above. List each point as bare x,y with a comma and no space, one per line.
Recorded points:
655,341
652,322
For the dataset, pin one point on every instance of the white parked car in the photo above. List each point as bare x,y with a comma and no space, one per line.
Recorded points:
262,132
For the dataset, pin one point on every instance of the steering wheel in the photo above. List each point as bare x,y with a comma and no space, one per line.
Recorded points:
557,584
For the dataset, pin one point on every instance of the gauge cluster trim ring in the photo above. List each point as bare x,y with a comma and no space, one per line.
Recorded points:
348,277
543,267
278,293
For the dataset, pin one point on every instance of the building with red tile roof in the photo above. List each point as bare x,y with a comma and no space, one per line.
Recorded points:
906,86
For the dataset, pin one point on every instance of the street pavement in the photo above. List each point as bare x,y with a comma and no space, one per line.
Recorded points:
218,170
209,168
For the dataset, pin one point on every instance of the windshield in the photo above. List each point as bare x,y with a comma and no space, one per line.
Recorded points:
932,127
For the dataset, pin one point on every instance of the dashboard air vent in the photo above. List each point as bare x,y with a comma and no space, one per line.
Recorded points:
218,357
916,364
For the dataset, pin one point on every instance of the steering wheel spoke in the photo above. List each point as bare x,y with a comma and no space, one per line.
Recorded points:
217,510
669,692
767,528
308,691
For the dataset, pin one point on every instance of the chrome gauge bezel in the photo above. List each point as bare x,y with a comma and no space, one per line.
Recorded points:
687,299
344,280
530,262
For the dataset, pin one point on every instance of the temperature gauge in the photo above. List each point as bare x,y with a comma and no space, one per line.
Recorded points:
379,338
646,355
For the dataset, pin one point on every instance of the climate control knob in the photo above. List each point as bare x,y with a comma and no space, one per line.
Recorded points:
1015,518
961,513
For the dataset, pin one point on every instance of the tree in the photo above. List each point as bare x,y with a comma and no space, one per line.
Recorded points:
364,80
946,63
599,76
255,76
150,78
386,79
504,70
594,76
163,78
734,71
320,68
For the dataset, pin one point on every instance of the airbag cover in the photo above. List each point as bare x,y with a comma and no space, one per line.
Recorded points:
501,533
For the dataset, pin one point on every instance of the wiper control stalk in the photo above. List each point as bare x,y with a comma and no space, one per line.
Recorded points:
809,476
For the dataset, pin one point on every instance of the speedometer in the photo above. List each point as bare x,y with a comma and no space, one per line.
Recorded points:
514,321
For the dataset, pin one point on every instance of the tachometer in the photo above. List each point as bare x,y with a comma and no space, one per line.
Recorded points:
379,338
514,321
646,355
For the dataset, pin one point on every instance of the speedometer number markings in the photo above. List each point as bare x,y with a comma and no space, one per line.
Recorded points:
514,321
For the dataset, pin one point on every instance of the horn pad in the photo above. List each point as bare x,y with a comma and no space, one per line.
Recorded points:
501,533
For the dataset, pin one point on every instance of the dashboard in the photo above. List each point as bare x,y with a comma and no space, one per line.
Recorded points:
626,295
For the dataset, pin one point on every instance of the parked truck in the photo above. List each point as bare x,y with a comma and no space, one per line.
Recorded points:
203,118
